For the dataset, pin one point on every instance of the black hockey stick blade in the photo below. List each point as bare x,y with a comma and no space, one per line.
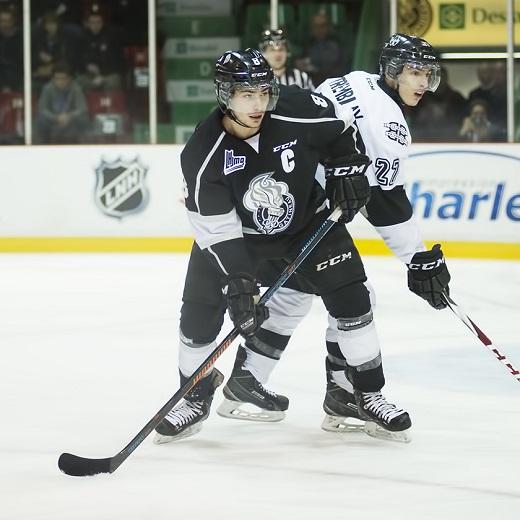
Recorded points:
83,467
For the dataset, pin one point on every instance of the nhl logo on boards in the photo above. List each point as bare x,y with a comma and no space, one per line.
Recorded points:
120,188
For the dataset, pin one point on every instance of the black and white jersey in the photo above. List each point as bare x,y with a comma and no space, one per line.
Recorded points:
295,77
265,185
386,136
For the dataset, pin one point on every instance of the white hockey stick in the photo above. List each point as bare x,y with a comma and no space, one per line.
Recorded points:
459,312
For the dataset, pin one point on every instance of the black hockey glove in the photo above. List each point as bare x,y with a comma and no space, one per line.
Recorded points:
246,314
428,276
346,185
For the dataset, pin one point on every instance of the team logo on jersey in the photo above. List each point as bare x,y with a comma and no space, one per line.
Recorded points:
270,202
396,132
232,162
120,188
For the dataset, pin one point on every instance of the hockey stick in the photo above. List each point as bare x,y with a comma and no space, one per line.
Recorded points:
459,312
82,466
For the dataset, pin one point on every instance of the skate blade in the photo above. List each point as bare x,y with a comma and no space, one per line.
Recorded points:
338,424
188,432
376,431
247,412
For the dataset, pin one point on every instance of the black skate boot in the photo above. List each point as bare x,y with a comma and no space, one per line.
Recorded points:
341,409
384,420
247,399
186,419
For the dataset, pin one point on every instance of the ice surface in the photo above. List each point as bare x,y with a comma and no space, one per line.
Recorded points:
89,346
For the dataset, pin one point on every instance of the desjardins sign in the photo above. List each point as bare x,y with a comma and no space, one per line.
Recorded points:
473,23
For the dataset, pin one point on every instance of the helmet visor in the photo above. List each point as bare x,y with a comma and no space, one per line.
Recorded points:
246,97
432,72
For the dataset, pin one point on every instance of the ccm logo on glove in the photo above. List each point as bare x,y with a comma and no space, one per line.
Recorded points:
427,266
354,169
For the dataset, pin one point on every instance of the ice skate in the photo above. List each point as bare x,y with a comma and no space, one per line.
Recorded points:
341,410
384,420
186,419
247,399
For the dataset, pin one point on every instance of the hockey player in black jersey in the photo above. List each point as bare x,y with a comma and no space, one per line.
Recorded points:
251,196
408,68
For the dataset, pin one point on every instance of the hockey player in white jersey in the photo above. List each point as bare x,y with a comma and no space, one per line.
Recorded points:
409,67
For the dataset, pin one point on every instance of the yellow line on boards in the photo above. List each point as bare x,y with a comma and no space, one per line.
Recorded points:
490,250
95,244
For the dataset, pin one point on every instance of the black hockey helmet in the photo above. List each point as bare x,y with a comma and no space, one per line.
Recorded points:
243,69
402,49
274,38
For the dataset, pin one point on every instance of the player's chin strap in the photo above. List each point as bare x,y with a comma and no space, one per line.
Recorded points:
459,312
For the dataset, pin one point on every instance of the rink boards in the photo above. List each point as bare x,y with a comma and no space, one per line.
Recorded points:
129,198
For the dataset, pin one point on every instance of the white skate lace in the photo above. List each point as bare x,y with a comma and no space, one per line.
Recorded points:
376,403
267,391
184,413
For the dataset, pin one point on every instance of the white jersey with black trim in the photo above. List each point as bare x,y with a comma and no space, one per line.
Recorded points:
386,136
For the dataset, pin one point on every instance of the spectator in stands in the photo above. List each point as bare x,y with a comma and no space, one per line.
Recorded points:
477,127
275,48
102,56
498,107
62,116
13,6
11,53
439,116
323,56
51,45
69,13
493,90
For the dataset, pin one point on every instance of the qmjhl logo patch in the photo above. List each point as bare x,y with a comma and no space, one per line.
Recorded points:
232,162
120,188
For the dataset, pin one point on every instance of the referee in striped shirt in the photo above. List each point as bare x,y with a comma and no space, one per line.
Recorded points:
274,47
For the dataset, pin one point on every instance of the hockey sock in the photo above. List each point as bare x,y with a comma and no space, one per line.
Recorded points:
340,378
191,355
259,365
